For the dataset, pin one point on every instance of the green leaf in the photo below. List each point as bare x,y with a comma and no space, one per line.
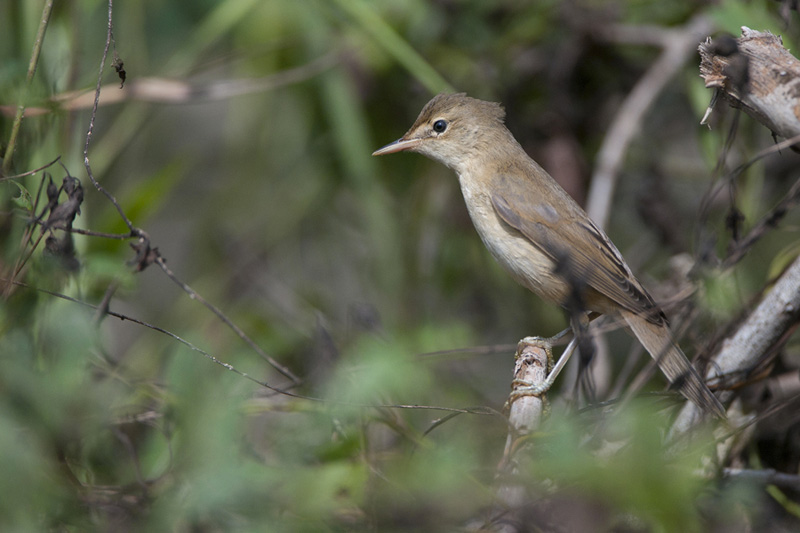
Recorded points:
24,199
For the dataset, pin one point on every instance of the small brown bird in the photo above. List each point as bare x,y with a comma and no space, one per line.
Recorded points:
537,232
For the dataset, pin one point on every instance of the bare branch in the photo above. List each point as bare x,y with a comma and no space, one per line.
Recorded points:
100,188
677,51
34,62
104,308
765,477
766,326
227,321
175,91
525,415
31,172
756,73
147,254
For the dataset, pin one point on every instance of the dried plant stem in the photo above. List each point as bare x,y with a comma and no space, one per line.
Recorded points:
34,62
525,414
678,46
766,325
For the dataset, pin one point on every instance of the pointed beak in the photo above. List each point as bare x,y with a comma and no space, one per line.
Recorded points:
398,146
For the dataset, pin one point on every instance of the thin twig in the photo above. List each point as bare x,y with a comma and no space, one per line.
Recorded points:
769,221
176,91
479,410
31,172
628,120
104,235
704,243
228,322
778,311
138,233
716,187
161,330
765,477
86,163
32,64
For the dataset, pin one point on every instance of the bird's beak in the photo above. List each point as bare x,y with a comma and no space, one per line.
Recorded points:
398,146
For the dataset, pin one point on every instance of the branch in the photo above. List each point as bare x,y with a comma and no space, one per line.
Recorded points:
765,477
224,319
34,62
743,352
147,254
628,120
172,91
525,415
525,412
756,73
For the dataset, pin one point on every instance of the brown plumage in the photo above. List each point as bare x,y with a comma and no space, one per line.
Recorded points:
537,232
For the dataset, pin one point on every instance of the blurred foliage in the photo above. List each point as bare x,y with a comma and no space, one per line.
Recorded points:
363,276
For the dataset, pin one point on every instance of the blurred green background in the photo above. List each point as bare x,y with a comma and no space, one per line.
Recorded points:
248,164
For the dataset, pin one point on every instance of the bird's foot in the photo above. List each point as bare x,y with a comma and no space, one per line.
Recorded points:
530,352
526,388
538,388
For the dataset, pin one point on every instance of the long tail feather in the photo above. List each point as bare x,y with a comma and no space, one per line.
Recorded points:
657,339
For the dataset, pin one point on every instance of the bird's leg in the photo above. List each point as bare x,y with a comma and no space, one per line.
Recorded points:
524,388
544,342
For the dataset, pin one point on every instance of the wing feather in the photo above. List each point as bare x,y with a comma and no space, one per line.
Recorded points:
569,237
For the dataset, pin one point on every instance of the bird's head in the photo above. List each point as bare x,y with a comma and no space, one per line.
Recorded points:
452,129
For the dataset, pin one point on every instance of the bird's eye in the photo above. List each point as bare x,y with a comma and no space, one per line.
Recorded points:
439,126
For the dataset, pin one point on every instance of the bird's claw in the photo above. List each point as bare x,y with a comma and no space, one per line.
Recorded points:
523,388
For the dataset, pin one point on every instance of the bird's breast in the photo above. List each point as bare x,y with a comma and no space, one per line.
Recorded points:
515,253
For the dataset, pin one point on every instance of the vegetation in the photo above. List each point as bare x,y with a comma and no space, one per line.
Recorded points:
239,223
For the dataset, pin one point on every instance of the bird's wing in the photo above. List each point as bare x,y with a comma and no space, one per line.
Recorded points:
566,236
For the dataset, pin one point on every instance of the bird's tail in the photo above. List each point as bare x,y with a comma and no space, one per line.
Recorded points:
657,339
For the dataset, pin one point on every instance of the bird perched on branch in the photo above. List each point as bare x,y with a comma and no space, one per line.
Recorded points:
537,232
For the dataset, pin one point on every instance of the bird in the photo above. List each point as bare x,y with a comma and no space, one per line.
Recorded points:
541,236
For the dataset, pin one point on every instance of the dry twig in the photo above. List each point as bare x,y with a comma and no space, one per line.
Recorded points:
525,415
677,50
756,73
